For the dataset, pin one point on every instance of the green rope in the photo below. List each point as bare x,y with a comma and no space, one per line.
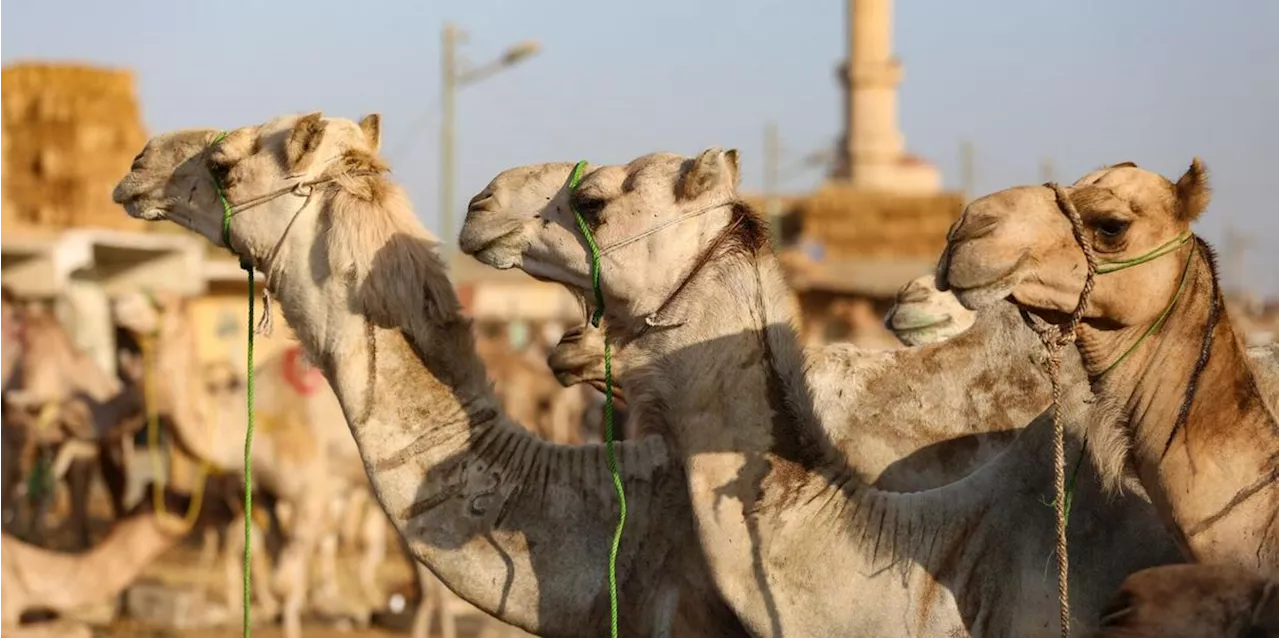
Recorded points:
248,434
596,316
40,478
1115,266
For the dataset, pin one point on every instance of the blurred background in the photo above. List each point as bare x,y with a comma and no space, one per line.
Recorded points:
864,127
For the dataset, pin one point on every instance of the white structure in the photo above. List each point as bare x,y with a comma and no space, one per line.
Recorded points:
873,156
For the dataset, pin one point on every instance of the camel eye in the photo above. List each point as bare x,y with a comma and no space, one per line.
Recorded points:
1112,228
589,207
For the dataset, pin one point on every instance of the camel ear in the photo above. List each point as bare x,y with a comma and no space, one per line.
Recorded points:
1192,191
304,139
714,168
371,125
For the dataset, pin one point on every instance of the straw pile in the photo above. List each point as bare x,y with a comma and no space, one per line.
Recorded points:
851,223
69,134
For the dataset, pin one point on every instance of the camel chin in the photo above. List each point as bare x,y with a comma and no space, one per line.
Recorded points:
986,295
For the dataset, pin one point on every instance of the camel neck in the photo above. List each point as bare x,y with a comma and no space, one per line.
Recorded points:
1211,471
732,356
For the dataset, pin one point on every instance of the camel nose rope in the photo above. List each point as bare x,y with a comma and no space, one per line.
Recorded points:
596,316
1055,337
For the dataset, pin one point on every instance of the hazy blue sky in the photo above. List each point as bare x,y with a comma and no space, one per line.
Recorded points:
1085,83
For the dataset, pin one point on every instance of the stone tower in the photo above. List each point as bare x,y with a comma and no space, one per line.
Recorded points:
872,155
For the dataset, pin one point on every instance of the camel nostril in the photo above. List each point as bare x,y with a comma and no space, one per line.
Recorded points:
480,202
974,227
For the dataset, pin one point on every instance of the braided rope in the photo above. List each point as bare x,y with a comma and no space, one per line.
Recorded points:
1055,337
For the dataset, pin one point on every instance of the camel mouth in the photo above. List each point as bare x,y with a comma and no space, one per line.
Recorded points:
496,252
917,326
983,295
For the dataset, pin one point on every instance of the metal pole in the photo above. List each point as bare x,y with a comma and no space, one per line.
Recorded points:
1046,170
771,203
967,177
448,75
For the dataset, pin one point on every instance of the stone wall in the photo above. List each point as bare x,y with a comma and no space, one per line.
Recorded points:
70,133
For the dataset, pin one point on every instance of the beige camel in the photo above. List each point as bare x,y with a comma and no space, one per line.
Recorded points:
1192,601
474,513
301,454
1189,413
923,314
33,578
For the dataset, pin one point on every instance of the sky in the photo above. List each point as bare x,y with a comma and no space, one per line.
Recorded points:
1082,84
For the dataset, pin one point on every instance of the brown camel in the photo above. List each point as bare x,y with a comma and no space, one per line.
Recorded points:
1188,412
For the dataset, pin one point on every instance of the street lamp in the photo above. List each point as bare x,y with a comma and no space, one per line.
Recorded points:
455,74
775,175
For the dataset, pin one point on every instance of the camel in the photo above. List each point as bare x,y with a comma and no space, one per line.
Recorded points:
1209,464
922,314
1192,601
377,305
57,400
302,453
33,578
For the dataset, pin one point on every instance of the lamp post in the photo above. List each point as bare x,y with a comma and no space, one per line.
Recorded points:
775,175
454,75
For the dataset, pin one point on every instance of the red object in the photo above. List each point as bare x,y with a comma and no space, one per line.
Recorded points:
304,377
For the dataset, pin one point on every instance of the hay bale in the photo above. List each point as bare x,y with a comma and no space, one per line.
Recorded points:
854,223
70,133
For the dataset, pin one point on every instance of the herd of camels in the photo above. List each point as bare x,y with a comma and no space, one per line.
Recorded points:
772,490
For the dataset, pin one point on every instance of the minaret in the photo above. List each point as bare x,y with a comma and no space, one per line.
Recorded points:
872,156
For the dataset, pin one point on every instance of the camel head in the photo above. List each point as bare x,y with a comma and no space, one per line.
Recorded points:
1018,243
263,171
1191,600
579,358
142,313
651,219
923,314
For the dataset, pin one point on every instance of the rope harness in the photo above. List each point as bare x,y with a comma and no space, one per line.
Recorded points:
1055,337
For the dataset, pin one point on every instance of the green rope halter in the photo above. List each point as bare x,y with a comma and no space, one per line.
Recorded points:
248,434
1105,267
596,316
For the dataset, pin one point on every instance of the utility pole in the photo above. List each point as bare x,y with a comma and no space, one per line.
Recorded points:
967,177
448,87
1235,244
772,207
1046,170
454,74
